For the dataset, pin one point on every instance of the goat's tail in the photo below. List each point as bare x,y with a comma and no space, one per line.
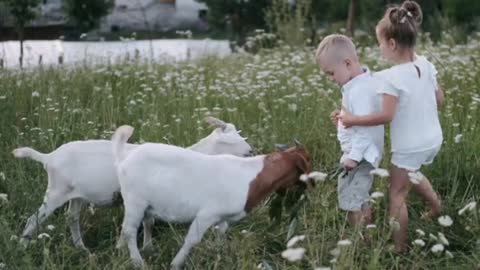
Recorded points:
119,140
27,152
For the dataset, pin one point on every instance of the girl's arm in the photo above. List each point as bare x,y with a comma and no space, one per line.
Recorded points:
385,116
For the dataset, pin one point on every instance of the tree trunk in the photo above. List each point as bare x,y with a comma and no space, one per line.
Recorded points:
351,17
20,37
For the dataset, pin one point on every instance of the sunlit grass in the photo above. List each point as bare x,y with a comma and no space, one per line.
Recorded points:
275,96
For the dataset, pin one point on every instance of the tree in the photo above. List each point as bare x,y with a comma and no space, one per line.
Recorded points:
241,15
23,11
86,14
351,18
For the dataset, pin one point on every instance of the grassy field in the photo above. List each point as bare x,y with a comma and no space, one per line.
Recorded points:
274,97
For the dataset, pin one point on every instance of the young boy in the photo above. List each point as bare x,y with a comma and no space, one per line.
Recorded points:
362,147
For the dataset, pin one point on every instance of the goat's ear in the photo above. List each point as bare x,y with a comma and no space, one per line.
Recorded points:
281,147
215,122
301,163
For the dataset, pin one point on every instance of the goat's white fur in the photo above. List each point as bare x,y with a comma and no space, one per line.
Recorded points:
83,172
179,185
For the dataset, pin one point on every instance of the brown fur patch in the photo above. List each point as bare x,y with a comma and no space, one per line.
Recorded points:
281,170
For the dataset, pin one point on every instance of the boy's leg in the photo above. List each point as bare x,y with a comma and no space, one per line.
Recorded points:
354,193
398,192
360,218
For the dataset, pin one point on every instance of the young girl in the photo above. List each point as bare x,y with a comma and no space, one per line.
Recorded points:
410,99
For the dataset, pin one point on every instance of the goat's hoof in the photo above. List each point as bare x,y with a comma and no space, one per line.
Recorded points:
138,263
175,267
120,245
148,247
24,242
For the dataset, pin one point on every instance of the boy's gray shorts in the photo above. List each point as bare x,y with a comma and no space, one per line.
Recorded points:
354,187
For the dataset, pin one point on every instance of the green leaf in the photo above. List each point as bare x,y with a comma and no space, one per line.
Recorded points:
292,228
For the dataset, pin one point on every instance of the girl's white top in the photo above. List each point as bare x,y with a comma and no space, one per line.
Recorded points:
415,126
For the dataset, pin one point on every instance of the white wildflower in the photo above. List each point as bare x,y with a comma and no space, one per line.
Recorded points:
442,239
50,227
292,107
458,138
335,252
382,173
317,176
415,177
3,266
294,240
244,231
91,208
371,226
377,194
420,232
293,254
437,248
43,235
344,243
35,94
3,197
448,254
445,221
394,224
334,260
419,242
469,207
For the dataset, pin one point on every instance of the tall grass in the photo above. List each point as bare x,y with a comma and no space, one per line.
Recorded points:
274,97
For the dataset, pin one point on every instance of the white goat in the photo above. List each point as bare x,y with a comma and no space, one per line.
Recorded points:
179,185
83,172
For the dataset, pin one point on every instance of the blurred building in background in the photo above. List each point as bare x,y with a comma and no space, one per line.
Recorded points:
127,15
155,15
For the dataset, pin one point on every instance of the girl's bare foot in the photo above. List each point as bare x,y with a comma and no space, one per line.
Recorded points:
435,209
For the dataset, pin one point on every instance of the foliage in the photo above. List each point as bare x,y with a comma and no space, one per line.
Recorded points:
23,11
86,14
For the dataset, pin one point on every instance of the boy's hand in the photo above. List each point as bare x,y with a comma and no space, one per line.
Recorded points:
334,116
350,164
346,117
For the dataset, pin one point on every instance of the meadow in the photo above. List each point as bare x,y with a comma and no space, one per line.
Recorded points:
274,96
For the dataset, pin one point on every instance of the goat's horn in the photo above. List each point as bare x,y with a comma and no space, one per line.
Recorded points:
297,143
215,122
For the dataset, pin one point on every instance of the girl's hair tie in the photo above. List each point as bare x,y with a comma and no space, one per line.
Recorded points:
404,18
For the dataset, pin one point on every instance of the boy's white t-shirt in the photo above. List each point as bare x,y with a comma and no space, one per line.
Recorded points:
359,96
415,126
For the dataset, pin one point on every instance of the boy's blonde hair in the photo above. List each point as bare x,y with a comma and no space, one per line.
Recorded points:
338,46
